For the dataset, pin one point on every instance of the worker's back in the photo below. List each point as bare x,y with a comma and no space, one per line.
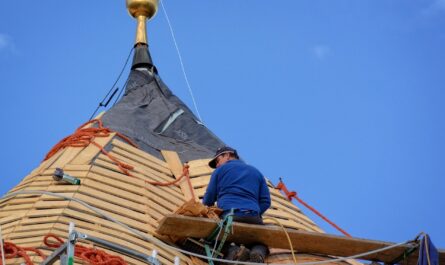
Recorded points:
238,186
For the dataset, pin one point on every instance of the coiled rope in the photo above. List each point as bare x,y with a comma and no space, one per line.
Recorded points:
82,137
12,251
91,255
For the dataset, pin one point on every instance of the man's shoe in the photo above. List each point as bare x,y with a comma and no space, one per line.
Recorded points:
256,257
258,253
243,254
231,252
237,253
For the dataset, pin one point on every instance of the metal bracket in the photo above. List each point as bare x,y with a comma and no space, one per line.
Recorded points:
56,253
68,249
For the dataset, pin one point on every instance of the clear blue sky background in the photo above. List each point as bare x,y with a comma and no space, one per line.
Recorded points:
344,99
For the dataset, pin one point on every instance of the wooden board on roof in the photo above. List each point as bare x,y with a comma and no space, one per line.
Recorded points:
274,236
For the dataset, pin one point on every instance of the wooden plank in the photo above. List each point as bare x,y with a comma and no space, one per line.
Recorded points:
273,236
112,198
176,166
287,223
140,153
166,193
69,153
115,190
120,210
39,220
142,160
133,185
200,171
200,182
91,151
149,174
17,207
120,180
71,167
132,222
10,218
288,217
297,215
74,214
199,163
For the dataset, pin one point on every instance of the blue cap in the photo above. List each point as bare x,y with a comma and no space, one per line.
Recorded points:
220,151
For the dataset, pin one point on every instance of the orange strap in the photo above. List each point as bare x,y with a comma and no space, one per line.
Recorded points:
90,255
293,194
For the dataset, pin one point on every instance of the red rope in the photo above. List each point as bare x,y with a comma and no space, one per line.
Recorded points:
185,173
11,251
82,137
293,194
90,255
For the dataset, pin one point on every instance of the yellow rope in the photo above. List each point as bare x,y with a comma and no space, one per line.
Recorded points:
287,235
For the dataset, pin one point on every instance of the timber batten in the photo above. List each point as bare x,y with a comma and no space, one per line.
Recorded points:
27,218
302,241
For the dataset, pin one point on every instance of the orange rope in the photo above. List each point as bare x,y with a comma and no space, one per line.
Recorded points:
82,137
185,173
11,251
293,194
90,255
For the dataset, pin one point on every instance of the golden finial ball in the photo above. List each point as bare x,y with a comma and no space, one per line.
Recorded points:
146,8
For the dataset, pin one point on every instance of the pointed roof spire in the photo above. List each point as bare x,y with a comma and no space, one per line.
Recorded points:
142,10
149,113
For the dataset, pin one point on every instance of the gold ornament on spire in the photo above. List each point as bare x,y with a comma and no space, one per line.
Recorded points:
142,10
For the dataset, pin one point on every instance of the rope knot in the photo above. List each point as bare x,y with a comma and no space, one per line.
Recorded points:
291,194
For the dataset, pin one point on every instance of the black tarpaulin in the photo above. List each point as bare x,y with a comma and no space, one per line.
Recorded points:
155,119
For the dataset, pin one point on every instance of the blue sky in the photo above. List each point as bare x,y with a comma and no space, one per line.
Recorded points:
343,99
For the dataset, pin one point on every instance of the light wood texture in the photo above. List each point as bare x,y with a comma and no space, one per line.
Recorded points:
25,219
273,236
176,167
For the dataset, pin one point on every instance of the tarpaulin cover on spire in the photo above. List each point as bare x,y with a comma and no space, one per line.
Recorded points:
157,120
428,254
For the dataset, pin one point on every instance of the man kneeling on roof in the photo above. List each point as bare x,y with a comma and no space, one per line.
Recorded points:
241,187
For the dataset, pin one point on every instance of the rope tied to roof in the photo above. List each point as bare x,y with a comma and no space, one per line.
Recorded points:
83,137
292,194
185,174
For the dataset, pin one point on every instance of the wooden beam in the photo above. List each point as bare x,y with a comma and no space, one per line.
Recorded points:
302,241
175,165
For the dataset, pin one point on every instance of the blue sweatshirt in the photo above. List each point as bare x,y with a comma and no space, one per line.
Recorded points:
239,186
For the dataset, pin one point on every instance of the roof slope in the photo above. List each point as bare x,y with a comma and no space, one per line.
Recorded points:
27,218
